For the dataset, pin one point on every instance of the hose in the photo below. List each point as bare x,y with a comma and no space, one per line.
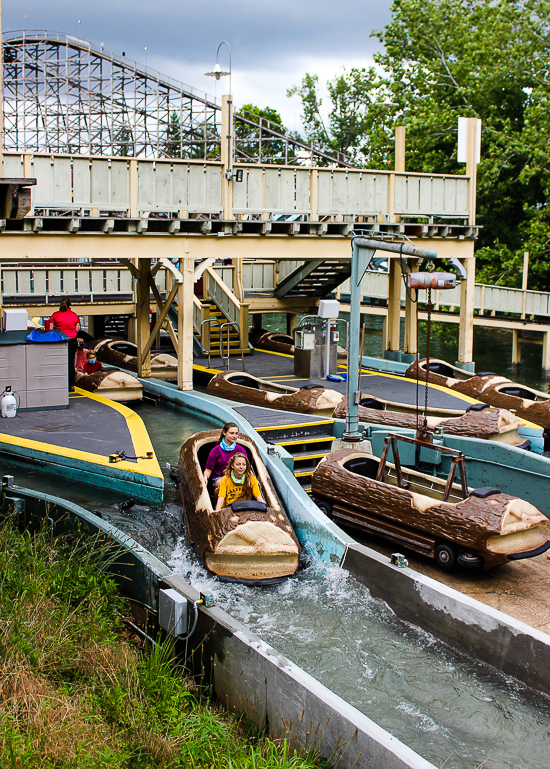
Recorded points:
195,621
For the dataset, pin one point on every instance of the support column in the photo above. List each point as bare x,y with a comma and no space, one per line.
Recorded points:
226,155
546,354
185,323
466,334
291,323
392,350
400,148
257,321
143,303
472,159
516,348
410,346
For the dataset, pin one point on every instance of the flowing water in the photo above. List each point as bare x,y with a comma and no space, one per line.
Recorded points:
453,711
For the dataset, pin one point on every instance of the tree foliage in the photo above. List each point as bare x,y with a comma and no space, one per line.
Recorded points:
444,59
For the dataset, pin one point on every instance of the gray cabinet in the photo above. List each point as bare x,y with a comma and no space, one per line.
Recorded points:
37,371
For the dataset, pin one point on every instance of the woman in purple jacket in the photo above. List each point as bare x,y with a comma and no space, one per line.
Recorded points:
220,455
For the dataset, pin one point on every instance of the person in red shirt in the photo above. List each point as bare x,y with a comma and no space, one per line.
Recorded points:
92,364
68,322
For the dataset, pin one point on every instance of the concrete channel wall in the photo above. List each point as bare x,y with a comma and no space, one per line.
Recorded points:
246,674
467,625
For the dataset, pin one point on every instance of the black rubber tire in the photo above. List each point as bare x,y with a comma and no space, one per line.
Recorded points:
445,555
470,561
324,506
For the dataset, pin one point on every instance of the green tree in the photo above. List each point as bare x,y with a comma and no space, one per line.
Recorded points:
258,131
445,59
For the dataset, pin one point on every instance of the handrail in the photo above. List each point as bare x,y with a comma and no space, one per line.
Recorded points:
226,357
208,347
231,306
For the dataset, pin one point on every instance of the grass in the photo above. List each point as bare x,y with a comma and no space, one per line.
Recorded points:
76,690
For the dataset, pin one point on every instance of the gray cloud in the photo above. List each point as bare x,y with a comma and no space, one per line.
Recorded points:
260,33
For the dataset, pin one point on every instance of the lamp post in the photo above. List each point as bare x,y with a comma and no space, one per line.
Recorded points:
219,73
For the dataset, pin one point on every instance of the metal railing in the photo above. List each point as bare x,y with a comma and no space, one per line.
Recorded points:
229,325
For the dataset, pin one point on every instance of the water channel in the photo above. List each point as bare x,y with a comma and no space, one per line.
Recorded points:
453,711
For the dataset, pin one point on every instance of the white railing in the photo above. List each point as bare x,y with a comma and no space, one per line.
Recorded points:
138,187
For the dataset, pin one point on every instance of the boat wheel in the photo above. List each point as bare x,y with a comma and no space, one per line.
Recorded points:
470,561
324,506
445,555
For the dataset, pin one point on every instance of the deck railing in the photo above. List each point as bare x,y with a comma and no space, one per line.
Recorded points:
80,185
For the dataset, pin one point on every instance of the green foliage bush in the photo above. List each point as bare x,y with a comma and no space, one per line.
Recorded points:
77,691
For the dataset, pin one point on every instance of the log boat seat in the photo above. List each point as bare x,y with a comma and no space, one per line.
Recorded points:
484,491
365,467
441,368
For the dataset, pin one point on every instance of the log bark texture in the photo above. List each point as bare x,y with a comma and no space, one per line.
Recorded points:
474,424
104,349
274,342
488,389
207,528
115,385
318,399
468,524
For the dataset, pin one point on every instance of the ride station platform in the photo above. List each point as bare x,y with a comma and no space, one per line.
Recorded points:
94,441
279,368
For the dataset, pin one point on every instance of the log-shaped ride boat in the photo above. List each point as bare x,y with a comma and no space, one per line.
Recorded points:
272,341
480,421
112,384
124,354
478,528
248,541
488,387
245,388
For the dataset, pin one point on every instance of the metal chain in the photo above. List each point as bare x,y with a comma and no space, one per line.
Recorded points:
429,333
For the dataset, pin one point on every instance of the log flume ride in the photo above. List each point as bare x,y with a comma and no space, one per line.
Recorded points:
123,354
480,421
476,528
248,541
245,388
488,387
112,384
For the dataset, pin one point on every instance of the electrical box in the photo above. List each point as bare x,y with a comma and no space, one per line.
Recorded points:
15,319
305,340
173,612
329,308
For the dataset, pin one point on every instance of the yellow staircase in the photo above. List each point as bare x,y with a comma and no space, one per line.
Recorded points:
308,442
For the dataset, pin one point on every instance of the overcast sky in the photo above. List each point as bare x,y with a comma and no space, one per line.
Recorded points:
273,44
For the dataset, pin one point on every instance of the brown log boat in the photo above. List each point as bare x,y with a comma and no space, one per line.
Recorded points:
124,354
273,342
480,421
245,388
476,528
112,384
248,541
488,387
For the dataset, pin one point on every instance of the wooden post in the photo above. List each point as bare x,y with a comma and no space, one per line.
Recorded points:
391,199
546,354
400,148
474,126
524,279
142,317
392,350
314,194
410,347
226,154
516,348
466,333
238,289
133,187
185,322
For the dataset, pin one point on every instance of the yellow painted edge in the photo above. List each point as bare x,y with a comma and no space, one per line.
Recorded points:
296,424
142,467
313,439
299,457
303,475
212,371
